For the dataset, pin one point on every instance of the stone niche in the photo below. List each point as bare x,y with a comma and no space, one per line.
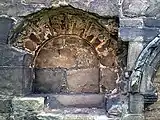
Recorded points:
73,51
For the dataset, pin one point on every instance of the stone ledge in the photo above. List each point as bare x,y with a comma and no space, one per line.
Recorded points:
51,116
73,100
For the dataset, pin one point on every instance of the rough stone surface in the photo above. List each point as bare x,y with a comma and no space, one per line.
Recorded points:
136,8
83,80
16,81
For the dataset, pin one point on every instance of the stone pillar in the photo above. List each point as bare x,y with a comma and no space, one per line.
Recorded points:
139,24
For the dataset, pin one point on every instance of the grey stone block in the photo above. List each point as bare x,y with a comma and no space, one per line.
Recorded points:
136,104
131,22
133,52
48,80
16,81
10,56
6,24
150,22
138,34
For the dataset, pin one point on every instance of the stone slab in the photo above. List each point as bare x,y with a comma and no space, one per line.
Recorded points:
16,81
76,100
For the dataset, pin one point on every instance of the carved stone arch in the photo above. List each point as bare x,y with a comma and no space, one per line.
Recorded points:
142,90
69,43
145,68
46,26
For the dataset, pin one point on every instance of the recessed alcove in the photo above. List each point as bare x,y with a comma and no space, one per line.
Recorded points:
73,50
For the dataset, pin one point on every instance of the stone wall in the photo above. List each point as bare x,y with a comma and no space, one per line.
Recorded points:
139,24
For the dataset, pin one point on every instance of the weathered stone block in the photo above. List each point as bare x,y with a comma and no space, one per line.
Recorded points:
138,34
5,106
16,81
133,53
6,24
83,80
26,107
48,80
108,79
11,56
150,22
